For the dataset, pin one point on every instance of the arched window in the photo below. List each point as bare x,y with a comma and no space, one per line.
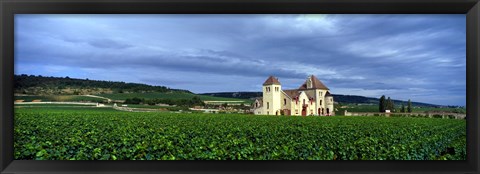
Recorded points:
303,101
268,105
284,102
320,102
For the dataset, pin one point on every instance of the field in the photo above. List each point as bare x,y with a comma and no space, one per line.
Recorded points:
374,108
172,95
106,134
123,96
63,98
52,105
147,106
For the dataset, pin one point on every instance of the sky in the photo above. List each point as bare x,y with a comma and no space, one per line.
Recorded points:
417,57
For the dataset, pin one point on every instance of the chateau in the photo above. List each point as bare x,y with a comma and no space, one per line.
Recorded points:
311,98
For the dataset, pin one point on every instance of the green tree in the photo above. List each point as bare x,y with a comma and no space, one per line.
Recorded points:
403,108
409,106
382,104
197,101
390,105
134,100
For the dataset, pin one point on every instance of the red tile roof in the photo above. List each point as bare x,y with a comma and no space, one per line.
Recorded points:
328,94
316,84
271,80
291,93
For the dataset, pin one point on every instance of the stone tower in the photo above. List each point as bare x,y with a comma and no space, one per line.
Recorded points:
329,104
272,96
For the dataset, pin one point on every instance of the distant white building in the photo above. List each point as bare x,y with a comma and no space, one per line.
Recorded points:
311,98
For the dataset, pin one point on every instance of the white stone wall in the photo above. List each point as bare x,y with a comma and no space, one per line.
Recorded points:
297,107
320,97
258,111
329,102
272,99
288,104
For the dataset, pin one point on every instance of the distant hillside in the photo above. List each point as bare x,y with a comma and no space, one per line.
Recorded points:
345,99
240,95
369,100
40,85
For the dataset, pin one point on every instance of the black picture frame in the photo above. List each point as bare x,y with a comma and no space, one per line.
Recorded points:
8,8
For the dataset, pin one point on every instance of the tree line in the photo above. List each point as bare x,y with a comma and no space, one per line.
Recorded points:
388,104
27,81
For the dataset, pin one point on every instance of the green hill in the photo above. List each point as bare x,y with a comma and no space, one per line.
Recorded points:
60,98
30,87
40,85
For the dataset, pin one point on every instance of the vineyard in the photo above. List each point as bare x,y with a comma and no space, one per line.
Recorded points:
104,134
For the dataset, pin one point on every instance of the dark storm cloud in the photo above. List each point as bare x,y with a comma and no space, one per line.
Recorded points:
403,56
107,43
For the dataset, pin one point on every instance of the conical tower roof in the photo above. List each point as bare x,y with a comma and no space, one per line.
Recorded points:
271,81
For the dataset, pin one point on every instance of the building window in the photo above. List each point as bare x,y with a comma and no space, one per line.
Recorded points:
296,111
320,102
284,102
320,93
331,99
268,105
303,101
